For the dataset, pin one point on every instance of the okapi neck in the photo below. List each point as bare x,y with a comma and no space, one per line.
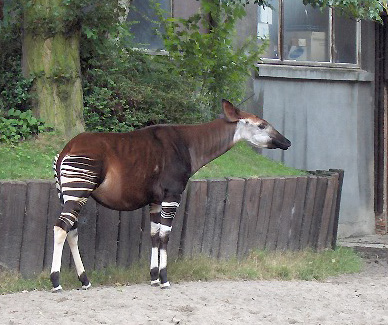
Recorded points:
208,141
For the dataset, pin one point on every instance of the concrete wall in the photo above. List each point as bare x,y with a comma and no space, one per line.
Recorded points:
328,114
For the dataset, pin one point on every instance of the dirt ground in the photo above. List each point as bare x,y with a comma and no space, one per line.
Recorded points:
350,299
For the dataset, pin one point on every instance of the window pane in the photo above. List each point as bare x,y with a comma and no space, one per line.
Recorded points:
268,27
345,43
142,15
306,32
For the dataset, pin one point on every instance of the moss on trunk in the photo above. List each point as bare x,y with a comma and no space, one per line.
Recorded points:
53,58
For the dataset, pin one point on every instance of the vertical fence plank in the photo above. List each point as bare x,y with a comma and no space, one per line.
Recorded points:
214,215
35,225
275,216
195,218
264,213
317,211
174,244
297,219
145,242
334,228
323,231
248,221
232,217
331,230
106,236
287,213
87,229
12,206
128,251
308,211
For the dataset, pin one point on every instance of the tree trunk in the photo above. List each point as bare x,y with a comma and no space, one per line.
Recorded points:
54,60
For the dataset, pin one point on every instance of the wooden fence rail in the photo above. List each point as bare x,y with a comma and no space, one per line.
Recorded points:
220,218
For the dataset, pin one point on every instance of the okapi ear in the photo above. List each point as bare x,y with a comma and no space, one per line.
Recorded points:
232,114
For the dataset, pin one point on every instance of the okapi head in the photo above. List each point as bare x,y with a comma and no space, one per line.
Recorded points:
254,129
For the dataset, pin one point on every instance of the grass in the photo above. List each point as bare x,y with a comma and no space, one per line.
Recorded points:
33,160
30,159
259,265
243,161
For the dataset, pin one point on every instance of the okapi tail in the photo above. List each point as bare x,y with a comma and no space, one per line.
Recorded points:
57,179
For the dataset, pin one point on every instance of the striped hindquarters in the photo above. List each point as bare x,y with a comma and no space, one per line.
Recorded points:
78,178
56,177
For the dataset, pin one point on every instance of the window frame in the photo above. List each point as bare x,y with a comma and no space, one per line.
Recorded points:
283,61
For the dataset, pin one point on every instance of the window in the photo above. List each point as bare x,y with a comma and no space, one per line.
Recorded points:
142,16
300,34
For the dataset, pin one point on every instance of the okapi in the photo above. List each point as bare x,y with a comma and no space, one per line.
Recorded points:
149,166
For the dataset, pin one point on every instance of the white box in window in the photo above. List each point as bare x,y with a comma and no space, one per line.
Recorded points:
313,42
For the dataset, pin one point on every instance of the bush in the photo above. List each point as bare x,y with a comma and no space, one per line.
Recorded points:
16,125
133,89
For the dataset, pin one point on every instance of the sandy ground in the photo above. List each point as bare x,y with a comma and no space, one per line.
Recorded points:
351,299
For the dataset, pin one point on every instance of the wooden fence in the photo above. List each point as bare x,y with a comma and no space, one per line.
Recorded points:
220,218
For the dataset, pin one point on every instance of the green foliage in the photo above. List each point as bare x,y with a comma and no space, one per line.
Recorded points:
219,65
16,125
366,9
126,89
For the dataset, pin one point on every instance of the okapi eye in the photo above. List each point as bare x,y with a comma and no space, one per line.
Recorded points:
261,126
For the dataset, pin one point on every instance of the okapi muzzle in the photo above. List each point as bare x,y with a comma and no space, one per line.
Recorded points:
279,141
149,166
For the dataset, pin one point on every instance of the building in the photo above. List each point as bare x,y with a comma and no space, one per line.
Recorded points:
322,83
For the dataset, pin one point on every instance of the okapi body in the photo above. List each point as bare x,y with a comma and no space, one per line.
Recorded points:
150,166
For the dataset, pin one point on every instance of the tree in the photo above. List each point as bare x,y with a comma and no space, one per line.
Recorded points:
51,53
53,31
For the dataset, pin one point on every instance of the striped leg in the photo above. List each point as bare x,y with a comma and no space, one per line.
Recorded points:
155,210
161,224
77,180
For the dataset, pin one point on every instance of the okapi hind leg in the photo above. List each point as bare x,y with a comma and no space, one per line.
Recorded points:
59,240
78,177
72,238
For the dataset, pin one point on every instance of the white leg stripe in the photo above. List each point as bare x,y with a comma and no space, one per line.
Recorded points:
155,227
72,239
59,240
154,257
170,204
163,259
165,230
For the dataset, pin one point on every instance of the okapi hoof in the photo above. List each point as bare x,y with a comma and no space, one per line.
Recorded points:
165,285
155,283
57,289
86,287
84,281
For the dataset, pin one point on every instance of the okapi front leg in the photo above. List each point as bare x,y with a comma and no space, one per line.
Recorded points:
167,215
161,225
155,240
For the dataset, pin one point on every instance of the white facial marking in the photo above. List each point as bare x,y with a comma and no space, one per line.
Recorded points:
249,130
